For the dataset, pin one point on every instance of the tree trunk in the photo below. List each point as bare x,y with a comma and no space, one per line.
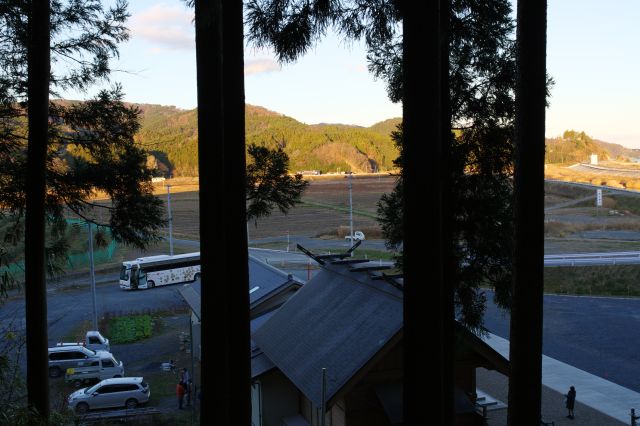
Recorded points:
235,220
526,312
38,62
427,305
448,261
210,159
223,232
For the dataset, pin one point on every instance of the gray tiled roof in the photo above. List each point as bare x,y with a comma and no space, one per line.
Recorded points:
260,363
265,279
339,320
191,294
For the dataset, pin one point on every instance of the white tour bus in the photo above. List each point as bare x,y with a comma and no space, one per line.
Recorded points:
152,271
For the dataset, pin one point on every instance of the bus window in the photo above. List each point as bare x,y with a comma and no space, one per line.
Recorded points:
134,277
124,273
142,278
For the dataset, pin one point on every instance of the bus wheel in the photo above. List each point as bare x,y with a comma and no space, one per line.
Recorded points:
151,284
196,277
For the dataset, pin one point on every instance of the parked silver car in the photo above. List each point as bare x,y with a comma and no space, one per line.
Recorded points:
126,392
63,357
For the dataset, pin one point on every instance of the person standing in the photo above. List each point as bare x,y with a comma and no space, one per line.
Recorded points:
186,381
571,401
180,394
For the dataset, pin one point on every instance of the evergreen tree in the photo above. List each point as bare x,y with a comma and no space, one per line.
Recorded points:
269,184
74,150
91,146
482,81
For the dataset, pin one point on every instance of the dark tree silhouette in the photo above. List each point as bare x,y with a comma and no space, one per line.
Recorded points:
269,184
426,285
525,349
54,155
38,68
237,376
221,121
208,23
90,145
482,78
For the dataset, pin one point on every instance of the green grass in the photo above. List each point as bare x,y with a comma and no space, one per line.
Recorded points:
566,190
374,254
339,208
163,384
128,329
630,203
618,280
578,245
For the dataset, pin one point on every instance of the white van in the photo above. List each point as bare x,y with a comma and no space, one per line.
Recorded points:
104,367
72,356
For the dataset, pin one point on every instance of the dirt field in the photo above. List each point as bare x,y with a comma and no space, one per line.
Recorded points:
324,210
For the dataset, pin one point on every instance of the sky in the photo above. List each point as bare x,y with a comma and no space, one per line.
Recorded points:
593,55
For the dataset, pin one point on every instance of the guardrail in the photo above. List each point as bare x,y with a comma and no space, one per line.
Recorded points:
592,259
117,415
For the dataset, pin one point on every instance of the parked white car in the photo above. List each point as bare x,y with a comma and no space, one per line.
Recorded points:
357,236
93,340
126,392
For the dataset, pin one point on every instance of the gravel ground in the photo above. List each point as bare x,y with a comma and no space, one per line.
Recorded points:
553,409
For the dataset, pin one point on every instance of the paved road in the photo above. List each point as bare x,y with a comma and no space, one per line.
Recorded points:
600,335
316,243
293,240
68,306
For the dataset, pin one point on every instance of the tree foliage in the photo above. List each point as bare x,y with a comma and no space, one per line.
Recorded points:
574,147
90,148
269,184
482,82
91,145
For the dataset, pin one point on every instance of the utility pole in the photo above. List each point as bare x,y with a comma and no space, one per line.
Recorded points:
170,218
324,397
350,208
93,277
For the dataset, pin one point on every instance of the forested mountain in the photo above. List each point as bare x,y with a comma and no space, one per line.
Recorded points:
577,147
170,134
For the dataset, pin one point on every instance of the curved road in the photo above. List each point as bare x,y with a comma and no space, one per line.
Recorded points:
600,335
68,306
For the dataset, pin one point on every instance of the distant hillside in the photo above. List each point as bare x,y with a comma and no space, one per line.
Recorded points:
577,147
170,134
387,126
618,151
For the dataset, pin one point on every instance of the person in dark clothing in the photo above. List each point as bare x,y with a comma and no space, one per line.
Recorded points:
571,401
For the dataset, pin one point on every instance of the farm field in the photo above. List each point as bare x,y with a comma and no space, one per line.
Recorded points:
572,221
323,213
573,224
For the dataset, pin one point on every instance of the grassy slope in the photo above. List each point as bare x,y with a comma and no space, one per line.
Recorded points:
170,134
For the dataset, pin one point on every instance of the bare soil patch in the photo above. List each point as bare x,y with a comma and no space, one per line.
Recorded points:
327,209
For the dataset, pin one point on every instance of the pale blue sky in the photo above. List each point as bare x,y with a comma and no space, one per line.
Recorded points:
592,55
